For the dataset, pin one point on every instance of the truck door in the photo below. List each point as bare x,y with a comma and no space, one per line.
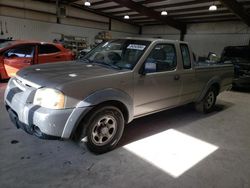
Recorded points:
159,86
189,83
18,58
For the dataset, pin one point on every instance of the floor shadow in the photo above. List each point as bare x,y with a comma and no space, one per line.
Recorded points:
242,90
174,118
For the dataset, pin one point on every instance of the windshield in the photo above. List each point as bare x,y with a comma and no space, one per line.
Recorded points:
5,44
122,53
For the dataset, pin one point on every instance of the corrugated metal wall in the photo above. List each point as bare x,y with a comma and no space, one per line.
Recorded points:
39,30
206,37
37,21
213,37
162,31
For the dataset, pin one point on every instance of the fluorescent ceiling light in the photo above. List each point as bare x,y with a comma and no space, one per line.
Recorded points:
213,8
164,13
87,4
126,17
172,151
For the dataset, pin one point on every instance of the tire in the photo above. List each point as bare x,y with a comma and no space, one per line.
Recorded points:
103,129
207,104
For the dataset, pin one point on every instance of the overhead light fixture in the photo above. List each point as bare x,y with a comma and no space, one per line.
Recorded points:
164,13
212,8
126,17
87,4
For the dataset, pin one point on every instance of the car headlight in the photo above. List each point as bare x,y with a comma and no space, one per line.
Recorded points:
49,98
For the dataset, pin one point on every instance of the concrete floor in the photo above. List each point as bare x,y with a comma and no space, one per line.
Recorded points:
26,161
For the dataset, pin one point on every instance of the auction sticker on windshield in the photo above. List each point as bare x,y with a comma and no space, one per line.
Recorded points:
136,47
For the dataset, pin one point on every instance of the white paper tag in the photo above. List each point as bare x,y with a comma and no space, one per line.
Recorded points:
136,47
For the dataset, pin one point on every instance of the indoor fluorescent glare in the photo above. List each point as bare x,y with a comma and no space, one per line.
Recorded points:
126,17
87,4
164,13
172,151
213,8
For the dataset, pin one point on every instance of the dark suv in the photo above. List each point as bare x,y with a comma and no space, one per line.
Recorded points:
240,57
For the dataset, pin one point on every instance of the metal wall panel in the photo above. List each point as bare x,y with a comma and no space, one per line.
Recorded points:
205,37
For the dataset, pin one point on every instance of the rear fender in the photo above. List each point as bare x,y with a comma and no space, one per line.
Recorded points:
212,81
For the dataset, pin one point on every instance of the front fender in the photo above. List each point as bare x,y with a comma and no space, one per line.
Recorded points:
98,97
109,94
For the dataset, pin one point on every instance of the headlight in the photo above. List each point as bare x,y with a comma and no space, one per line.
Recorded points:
49,98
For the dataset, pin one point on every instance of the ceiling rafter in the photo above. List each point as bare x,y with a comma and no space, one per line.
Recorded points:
186,3
209,17
100,2
151,13
151,1
104,14
237,9
212,20
179,12
108,8
200,13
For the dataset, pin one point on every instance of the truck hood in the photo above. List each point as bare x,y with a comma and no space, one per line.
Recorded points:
54,74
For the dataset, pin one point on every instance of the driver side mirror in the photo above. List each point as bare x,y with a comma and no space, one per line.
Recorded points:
148,68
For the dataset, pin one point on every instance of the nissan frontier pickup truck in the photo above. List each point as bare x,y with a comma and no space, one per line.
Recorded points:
93,98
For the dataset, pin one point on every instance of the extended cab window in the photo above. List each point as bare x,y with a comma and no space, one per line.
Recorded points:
47,49
21,51
185,56
161,58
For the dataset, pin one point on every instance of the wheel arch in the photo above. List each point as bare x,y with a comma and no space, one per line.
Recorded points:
111,96
213,82
108,97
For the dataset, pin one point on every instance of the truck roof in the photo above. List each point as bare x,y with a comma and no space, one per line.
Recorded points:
155,39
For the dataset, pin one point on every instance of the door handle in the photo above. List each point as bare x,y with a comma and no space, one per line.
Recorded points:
177,77
57,57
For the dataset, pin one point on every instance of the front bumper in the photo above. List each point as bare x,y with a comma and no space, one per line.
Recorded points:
37,120
30,129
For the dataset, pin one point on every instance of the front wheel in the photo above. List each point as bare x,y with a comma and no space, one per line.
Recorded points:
103,129
208,102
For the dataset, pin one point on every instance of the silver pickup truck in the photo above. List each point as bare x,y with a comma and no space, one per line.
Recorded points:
91,99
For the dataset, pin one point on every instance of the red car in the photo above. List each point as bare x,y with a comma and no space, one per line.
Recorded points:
15,55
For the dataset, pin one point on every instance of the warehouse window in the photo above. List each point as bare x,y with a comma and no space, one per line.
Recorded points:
48,49
185,56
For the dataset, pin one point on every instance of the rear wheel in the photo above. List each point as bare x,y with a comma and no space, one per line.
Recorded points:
208,102
103,129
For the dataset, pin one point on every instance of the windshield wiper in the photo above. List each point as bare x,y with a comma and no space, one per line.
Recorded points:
108,65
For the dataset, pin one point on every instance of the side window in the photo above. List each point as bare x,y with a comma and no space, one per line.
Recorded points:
185,56
47,49
162,58
21,51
